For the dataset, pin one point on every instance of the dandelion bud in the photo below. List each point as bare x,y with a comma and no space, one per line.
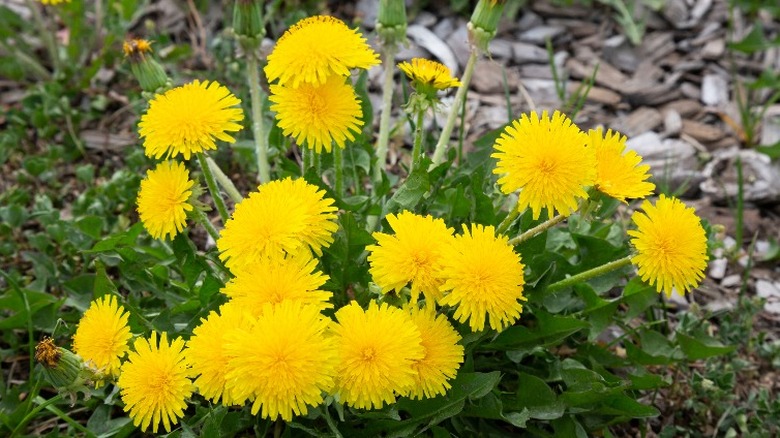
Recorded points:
61,368
391,21
248,22
149,73
484,22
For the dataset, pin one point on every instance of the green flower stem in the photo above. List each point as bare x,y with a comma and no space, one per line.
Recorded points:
418,136
45,34
258,130
224,181
331,423
537,230
306,155
460,98
504,225
201,218
65,417
591,273
338,168
384,120
213,189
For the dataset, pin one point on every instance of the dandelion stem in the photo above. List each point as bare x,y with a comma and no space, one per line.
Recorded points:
338,168
45,34
591,273
504,225
460,98
305,159
331,423
258,131
384,121
418,136
537,230
202,219
224,181
213,189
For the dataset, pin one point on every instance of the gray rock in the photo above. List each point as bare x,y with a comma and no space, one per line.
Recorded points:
524,52
540,34
718,268
428,40
714,90
761,177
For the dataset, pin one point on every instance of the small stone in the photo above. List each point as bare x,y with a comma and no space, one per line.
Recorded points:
766,289
619,52
714,49
714,90
500,48
672,122
730,281
718,268
524,52
540,34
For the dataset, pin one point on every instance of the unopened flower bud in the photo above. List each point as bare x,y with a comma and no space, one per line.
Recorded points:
248,22
61,368
149,73
484,22
391,21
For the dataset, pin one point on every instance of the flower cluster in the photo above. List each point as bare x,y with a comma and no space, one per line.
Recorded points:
553,164
186,121
312,97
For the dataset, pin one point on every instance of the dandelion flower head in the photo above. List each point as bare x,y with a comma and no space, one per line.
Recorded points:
618,174
548,160
189,119
54,2
207,354
671,245
316,48
275,279
483,277
430,75
443,354
154,382
163,199
102,336
318,115
134,47
284,362
377,349
282,216
412,254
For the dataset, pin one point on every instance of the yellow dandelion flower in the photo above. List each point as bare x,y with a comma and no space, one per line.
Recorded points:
618,174
154,382
54,2
413,254
188,119
163,199
671,245
429,74
378,348
284,362
547,159
206,351
284,215
320,115
314,49
484,278
102,336
443,355
276,279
